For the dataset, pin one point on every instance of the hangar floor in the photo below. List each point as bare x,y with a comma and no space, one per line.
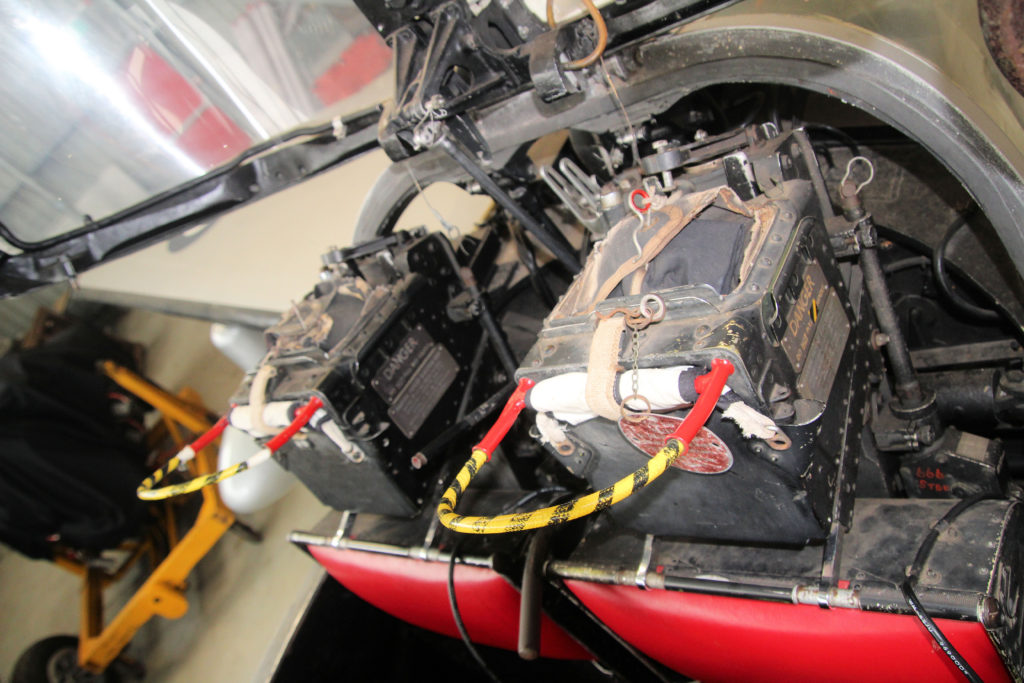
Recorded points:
242,595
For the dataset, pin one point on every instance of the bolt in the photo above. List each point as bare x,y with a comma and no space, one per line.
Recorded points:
418,461
989,613
701,134
879,339
925,434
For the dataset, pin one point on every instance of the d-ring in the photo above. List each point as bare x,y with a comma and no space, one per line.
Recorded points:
653,307
630,415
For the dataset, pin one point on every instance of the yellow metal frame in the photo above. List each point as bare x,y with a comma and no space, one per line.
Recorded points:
163,593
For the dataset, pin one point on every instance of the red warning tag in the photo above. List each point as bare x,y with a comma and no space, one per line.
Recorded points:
708,454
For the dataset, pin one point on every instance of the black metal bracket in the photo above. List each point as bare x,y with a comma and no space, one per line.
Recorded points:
265,169
453,56
844,487
447,60
545,232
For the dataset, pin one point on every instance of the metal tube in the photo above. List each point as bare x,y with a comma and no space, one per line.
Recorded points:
907,387
728,588
567,570
474,370
490,325
530,596
528,259
345,543
470,420
559,247
494,333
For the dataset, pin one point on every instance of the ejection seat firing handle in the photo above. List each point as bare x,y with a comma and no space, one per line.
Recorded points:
515,404
709,388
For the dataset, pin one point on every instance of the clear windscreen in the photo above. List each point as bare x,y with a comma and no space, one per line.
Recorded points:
108,102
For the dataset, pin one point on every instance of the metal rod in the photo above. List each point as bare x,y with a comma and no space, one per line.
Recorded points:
907,387
474,370
529,260
530,595
568,570
470,420
549,239
497,337
305,538
729,588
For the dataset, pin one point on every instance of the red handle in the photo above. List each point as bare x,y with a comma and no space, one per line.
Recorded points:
515,404
301,418
640,193
709,387
212,433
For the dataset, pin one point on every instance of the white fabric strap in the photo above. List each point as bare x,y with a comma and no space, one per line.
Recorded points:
603,365
752,424
565,395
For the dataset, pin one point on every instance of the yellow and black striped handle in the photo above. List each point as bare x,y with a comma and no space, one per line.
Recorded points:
708,386
147,492
556,514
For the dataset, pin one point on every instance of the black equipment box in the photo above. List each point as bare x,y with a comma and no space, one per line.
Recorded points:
377,344
790,328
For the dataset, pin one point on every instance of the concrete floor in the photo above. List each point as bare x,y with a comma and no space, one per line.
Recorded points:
241,594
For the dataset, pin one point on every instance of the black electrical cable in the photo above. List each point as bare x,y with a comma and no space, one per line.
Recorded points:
760,98
533,494
942,279
907,587
459,624
716,108
454,603
905,263
903,240
836,133
958,660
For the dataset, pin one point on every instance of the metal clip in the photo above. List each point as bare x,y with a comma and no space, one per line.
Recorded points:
645,562
843,184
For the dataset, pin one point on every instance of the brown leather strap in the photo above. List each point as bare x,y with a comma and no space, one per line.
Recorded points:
651,249
588,290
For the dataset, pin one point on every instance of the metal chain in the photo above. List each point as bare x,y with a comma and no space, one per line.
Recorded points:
636,361
651,310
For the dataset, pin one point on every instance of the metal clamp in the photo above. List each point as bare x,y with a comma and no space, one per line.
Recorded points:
645,562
